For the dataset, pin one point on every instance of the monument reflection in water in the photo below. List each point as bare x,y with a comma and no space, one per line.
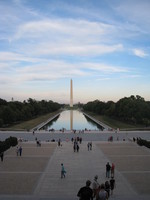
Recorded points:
72,119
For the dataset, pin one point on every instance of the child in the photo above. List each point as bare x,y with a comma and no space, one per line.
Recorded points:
62,171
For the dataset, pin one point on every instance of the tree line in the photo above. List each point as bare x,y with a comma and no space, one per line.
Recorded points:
15,111
133,109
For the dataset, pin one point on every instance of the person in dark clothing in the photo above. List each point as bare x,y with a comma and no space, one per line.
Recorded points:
107,188
108,168
86,193
77,148
20,151
112,185
59,142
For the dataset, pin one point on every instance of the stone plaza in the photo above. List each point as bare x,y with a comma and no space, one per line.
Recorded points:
36,174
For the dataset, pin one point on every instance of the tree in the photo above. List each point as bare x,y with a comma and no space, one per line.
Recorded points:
16,111
133,109
8,115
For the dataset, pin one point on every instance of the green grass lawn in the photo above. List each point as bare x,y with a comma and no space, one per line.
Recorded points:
27,125
113,122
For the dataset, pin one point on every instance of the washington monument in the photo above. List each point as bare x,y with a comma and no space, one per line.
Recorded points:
71,93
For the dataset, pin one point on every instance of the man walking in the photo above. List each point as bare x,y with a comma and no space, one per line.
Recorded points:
20,151
95,186
86,193
108,168
112,185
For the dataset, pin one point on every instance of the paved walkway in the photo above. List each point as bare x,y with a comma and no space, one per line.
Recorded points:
80,167
87,136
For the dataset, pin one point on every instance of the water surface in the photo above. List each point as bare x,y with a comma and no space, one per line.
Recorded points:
72,119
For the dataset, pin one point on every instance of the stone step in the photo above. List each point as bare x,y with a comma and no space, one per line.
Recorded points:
80,167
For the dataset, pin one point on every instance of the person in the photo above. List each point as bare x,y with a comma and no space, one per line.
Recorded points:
78,148
20,151
38,142
112,170
102,195
80,139
107,188
72,139
17,151
2,156
75,145
108,167
112,185
88,145
95,186
63,171
59,142
86,193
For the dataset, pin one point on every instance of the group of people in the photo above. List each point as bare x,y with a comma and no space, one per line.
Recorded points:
76,146
104,190
75,141
110,169
89,146
78,139
97,191
18,153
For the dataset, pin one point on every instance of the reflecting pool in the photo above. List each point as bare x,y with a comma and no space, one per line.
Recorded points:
72,119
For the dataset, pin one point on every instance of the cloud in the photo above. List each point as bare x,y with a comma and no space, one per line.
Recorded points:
140,53
135,12
45,71
6,65
103,79
66,28
11,57
76,49
132,76
48,70
105,68
66,37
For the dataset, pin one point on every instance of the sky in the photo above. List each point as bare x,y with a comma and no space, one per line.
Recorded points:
102,45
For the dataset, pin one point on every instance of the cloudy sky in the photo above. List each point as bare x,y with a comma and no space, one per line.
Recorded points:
104,46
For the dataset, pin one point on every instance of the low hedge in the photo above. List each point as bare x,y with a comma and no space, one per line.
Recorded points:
142,142
9,142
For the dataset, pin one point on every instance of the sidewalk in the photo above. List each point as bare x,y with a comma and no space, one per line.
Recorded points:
80,167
